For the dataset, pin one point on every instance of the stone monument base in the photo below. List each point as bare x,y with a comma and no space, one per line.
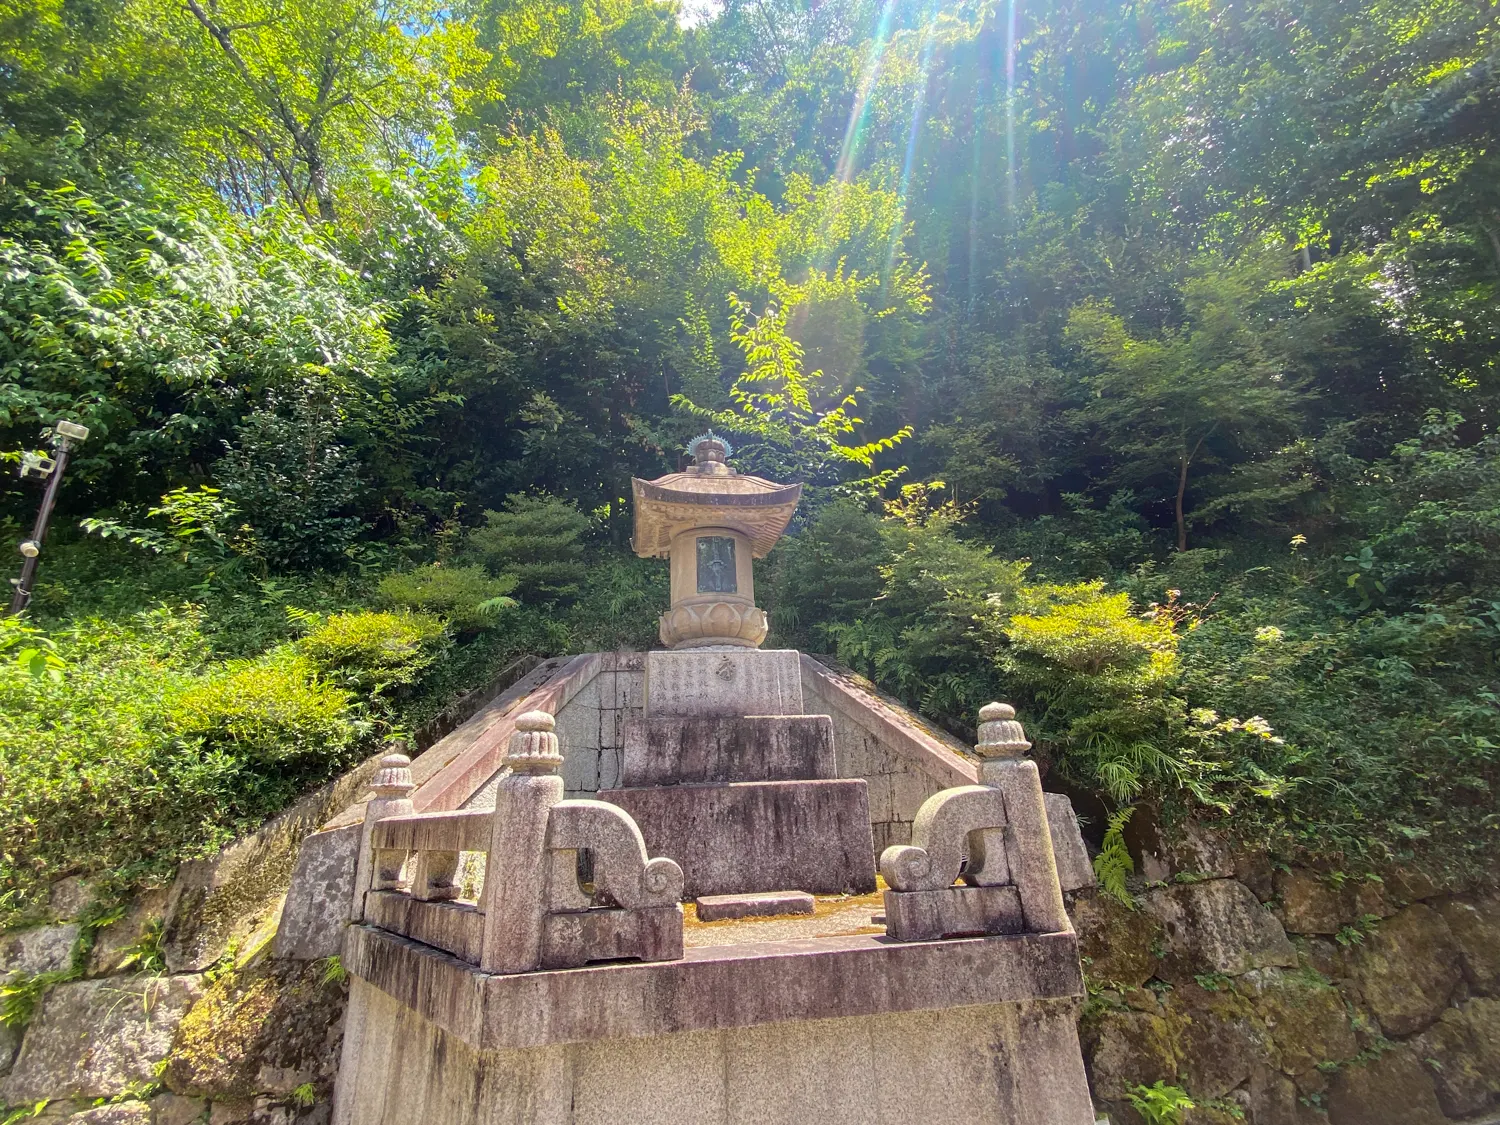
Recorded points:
739,837
934,1035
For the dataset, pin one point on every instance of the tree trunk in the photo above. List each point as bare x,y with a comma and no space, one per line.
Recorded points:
317,176
1494,241
1182,472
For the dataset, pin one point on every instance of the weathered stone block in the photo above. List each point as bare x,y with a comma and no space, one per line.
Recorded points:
674,749
1127,1048
266,1029
952,912
1000,1065
319,897
456,927
238,892
1218,926
41,949
173,1109
1474,921
759,836
10,1043
68,897
1216,1042
1392,1089
713,987
1407,969
1115,941
1462,1052
765,904
584,936
1308,904
715,682
121,1113
1074,870
95,1038
113,941
1272,1098
1307,1019
237,1112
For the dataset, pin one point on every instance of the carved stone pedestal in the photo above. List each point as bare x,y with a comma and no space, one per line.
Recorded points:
748,803
759,836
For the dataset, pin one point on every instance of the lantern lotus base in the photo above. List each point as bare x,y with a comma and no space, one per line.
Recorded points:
704,624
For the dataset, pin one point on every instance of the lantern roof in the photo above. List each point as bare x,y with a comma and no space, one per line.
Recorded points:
710,494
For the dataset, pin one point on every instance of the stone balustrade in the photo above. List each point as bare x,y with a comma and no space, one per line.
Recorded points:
994,836
534,910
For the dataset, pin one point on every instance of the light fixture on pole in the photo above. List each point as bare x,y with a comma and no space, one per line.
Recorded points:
64,438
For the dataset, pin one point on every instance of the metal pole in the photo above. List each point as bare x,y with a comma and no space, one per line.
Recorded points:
64,436
39,529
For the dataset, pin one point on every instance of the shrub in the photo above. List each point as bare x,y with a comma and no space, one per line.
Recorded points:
828,574
1082,629
142,752
371,652
467,597
538,540
266,710
620,606
295,482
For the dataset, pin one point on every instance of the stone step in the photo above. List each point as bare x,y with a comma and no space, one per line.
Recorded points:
763,904
755,836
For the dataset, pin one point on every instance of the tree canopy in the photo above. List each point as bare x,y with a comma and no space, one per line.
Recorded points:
1143,358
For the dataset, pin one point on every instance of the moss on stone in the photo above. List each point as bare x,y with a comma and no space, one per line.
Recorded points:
267,1029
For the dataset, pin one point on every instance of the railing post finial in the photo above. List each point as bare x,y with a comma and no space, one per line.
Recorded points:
533,746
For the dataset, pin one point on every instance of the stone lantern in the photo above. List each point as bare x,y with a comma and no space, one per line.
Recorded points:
710,521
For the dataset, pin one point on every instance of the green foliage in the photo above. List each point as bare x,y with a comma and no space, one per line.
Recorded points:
193,516
1113,865
30,649
1160,1103
1208,391
146,954
270,709
114,313
21,995
464,596
328,279
797,421
828,574
537,543
370,654
146,752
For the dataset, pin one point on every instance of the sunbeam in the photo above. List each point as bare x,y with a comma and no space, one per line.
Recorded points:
919,105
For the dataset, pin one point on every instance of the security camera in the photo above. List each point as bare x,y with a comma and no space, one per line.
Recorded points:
70,430
36,466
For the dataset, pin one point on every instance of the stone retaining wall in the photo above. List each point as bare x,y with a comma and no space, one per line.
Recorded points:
1293,999
1284,996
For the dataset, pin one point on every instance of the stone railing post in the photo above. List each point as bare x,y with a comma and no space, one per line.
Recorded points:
1027,839
516,871
391,788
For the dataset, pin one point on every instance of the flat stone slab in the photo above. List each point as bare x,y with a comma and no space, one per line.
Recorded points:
677,749
759,836
952,912
723,682
41,949
319,897
1075,871
713,987
715,908
96,1038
